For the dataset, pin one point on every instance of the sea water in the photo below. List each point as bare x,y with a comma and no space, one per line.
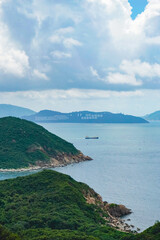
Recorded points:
125,168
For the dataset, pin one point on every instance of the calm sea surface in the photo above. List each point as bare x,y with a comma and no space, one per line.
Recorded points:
125,167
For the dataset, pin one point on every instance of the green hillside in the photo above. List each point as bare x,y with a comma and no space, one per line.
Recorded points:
52,206
23,143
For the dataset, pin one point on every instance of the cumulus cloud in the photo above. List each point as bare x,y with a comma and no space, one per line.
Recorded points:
127,78
82,44
13,60
118,78
142,69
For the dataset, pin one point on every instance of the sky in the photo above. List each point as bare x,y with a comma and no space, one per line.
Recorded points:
68,55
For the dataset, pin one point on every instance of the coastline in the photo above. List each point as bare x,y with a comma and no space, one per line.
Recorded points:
112,220
114,212
61,160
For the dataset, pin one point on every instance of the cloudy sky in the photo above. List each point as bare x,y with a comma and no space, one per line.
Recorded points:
66,55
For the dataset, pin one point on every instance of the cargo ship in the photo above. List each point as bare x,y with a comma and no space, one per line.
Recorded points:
91,137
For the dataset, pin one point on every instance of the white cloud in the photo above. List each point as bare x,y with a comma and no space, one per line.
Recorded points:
71,94
39,75
71,42
60,55
99,33
127,78
59,37
59,34
153,40
119,35
118,78
63,31
94,73
76,100
13,60
56,39
142,69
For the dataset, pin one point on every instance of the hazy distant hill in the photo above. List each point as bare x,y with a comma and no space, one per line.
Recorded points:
83,117
155,116
14,111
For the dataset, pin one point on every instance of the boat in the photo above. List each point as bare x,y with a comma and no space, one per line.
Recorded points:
91,137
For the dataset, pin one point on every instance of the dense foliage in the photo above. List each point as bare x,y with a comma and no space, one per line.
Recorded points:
51,206
40,203
7,235
152,233
23,143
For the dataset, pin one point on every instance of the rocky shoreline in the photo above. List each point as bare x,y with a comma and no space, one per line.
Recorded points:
61,160
114,212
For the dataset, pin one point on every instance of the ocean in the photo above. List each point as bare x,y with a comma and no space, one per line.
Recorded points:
125,168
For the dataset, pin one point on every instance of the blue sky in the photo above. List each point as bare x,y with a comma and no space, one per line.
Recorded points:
138,7
81,55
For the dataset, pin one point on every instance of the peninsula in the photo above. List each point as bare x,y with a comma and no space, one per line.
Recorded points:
25,145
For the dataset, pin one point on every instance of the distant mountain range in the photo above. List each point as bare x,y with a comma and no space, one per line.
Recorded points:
155,116
83,117
14,111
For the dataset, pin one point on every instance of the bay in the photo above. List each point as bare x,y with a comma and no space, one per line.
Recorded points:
125,168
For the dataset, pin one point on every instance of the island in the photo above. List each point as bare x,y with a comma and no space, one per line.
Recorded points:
155,116
83,117
25,145
53,206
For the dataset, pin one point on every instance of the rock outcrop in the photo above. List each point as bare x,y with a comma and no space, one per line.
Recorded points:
113,211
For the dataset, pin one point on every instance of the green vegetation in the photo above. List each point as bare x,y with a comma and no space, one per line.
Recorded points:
7,235
152,233
51,206
23,143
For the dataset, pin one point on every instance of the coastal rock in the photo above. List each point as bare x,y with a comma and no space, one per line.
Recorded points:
117,210
63,159
113,211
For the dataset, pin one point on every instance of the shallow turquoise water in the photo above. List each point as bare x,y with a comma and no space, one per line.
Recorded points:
125,167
